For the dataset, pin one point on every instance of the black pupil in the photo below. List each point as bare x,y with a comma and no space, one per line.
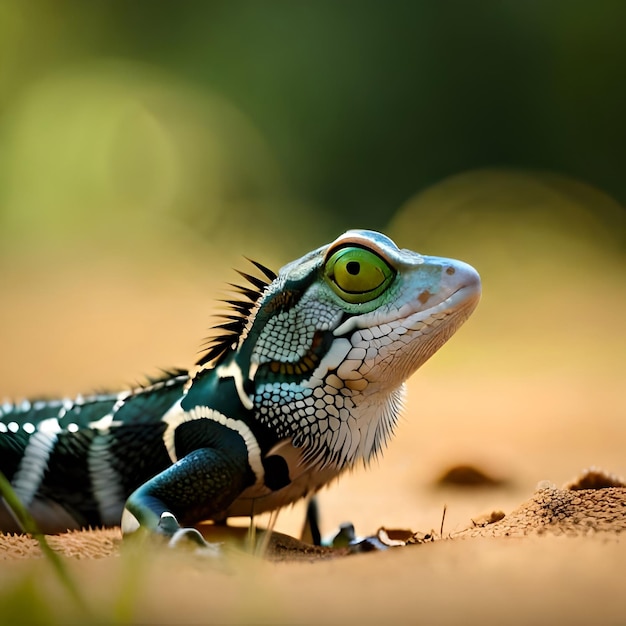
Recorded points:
353,267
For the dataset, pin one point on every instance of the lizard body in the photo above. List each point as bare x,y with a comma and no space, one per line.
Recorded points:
304,380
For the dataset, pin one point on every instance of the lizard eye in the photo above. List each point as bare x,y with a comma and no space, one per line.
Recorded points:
357,275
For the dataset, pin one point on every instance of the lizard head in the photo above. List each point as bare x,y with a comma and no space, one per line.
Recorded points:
330,340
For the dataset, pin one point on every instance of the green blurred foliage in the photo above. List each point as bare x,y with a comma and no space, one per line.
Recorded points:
287,118
23,604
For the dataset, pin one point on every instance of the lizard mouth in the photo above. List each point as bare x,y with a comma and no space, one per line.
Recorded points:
465,296
461,301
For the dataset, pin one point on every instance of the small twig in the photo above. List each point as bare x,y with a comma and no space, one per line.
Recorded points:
443,519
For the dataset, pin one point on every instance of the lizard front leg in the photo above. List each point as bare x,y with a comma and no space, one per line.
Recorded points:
201,484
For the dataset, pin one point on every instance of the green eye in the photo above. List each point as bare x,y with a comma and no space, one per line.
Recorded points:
357,275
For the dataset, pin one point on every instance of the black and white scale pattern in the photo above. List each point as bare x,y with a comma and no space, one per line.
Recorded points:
88,451
305,378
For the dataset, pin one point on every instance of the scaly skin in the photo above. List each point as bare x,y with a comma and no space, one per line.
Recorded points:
305,380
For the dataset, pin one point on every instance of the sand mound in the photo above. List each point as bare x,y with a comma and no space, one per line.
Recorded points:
558,511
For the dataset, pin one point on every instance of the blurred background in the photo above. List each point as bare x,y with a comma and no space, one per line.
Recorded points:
146,147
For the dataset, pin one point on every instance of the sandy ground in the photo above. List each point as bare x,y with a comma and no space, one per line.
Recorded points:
559,556
526,394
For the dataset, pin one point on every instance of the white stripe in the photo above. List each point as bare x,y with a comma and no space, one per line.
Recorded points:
173,417
28,478
50,426
176,416
232,370
104,423
335,356
105,481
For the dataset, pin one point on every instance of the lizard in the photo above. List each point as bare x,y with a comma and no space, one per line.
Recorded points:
303,378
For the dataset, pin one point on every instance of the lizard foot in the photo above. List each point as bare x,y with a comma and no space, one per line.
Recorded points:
186,537
192,538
